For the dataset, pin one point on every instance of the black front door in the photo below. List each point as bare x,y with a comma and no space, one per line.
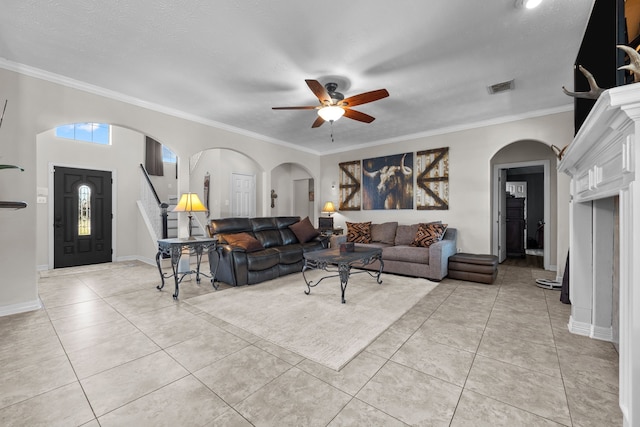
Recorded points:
82,217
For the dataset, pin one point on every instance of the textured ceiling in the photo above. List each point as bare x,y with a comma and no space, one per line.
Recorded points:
228,62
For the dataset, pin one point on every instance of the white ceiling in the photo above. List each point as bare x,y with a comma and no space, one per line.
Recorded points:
227,62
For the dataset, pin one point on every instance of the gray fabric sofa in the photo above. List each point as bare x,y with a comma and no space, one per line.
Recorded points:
400,257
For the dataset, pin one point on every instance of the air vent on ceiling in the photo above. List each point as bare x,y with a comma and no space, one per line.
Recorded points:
501,87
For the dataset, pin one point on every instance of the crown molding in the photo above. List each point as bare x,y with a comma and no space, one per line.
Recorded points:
96,90
117,96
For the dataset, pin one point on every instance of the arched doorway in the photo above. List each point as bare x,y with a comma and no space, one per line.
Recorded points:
234,183
295,189
532,163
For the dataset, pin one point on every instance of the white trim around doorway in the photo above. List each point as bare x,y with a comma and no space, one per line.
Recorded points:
114,208
495,227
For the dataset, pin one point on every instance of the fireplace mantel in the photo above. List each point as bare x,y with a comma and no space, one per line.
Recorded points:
601,161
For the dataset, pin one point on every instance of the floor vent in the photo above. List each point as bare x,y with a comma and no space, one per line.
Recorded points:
501,87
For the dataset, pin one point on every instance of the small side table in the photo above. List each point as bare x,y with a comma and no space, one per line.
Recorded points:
174,247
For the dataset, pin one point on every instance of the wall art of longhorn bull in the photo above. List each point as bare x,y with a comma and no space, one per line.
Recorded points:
387,182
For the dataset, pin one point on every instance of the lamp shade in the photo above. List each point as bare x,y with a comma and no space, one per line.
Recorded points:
189,202
329,208
331,113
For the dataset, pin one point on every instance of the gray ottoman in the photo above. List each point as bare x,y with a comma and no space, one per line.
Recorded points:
473,267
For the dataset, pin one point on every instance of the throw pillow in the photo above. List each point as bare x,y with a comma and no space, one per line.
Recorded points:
429,234
304,230
384,233
405,234
243,240
359,232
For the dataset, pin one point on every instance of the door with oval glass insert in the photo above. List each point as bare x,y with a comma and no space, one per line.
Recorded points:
81,217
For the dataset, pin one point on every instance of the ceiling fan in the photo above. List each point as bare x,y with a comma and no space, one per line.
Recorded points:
333,104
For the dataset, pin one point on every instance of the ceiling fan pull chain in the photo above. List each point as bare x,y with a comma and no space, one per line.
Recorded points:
331,123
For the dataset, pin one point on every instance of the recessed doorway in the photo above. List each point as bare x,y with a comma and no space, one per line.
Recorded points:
526,235
82,217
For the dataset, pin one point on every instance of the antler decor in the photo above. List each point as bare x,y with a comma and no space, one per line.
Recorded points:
594,91
559,152
634,62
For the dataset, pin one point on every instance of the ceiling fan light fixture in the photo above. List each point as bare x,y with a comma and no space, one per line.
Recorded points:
331,113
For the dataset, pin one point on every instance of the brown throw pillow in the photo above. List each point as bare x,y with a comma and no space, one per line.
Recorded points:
304,230
429,234
359,232
243,240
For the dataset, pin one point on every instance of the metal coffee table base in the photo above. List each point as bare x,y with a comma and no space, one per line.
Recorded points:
333,261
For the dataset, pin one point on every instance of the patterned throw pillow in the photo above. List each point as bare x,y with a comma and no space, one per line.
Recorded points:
359,232
429,234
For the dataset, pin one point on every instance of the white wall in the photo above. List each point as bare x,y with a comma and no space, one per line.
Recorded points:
36,106
470,153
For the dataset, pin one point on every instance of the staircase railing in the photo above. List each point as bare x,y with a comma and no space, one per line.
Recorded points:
155,208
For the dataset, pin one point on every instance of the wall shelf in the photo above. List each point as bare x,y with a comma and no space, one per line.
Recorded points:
12,205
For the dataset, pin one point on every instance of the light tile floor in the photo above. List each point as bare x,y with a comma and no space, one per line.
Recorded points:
110,350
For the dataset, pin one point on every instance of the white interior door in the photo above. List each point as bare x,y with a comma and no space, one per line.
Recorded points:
243,195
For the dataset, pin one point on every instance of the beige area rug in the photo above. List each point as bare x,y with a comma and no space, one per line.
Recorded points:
317,326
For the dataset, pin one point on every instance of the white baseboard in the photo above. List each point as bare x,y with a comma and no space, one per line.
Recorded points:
600,333
146,260
579,328
42,267
22,307
591,331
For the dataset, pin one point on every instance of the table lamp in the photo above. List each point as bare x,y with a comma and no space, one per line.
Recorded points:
329,208
326,223
190,202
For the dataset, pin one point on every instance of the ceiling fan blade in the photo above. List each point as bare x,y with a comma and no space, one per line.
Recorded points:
357,115
306,107
319,121
363,98
319,91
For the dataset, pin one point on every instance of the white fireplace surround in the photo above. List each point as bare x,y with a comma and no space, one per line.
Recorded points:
601,161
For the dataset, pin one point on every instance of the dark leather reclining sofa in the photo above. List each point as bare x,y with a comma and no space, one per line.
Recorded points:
281,252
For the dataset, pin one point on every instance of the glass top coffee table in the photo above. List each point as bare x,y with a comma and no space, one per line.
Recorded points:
334,261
